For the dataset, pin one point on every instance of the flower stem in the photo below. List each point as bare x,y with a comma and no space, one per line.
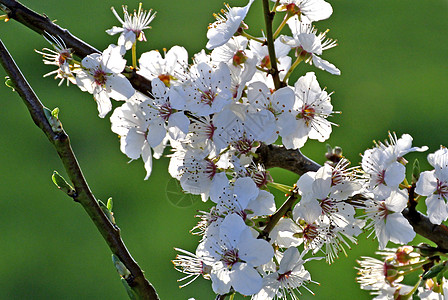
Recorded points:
250,37
280,27
134,54
291,69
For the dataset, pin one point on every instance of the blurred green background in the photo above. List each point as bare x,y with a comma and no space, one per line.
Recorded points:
393,58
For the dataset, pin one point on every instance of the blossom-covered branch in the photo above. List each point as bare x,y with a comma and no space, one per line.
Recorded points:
44,26
82,193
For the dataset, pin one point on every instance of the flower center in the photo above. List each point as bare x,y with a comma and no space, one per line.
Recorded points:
165,78
307,113
239,58
284,276
207,97
165,111
100,77
382,210
442,189
230,257
210,169
243,145
310,232
327,206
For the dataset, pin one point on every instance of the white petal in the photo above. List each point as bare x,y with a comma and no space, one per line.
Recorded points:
221,281
426,184
103,102
436,209
120,87
264,204
230,230
289,260
325,65
394,174
310,43
400,231
132,144
156,134
112,59
245,279
254,251
178,125
397,201
147,159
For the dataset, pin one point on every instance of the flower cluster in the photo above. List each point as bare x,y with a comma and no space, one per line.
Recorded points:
383,276
216,111
385,170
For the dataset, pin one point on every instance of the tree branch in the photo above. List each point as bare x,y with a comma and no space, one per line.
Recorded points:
43,24
83,195
289,159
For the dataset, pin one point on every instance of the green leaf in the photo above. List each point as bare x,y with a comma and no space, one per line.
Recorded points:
62,184
109,204
109,214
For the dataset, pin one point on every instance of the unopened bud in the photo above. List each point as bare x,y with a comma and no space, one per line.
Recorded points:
415,171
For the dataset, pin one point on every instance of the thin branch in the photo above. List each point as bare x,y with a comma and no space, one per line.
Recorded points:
42,24
83,195
268,18
273,220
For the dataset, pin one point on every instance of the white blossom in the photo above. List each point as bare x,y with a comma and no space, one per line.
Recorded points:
133,26
101,76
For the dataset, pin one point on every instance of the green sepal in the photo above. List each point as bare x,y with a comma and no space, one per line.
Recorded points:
436,271
415,171
9,83
62,184
109,214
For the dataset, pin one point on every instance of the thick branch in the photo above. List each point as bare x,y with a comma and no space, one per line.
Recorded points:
278,156
42,24
84,196
423,226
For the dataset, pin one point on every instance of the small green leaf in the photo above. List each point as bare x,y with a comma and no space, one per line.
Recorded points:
55,112
106,211
62,184
110,204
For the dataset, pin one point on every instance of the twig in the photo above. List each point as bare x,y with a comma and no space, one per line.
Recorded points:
61,142
273,220
268,17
